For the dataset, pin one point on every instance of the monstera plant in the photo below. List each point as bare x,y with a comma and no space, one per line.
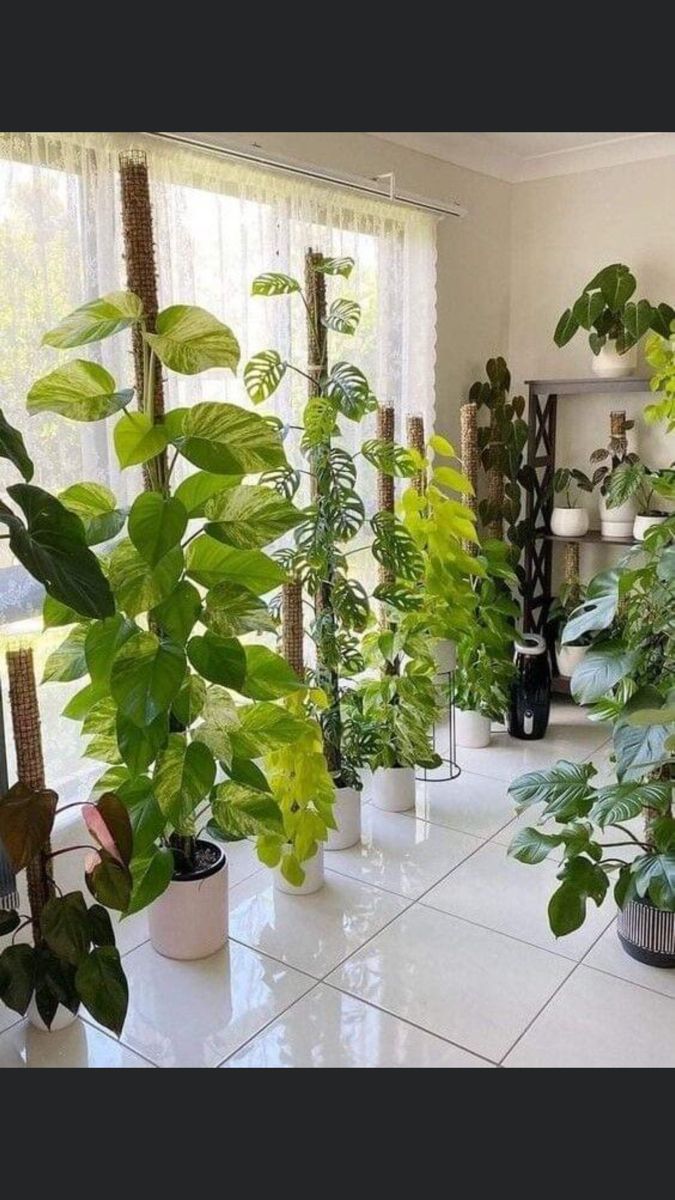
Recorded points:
173,701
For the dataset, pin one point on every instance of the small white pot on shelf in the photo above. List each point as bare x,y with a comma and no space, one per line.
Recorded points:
62,1018
617,522
472,729
609,364
644,521
569,522
394,789
347,813
314,877
445,655
568,659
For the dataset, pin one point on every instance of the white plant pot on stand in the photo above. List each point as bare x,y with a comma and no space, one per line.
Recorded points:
347,813
568,659
569,522
644,521
190,919
394,789
472,729
608,364
617,522
314,877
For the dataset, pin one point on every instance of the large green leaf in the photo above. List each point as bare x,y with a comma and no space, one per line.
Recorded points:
624,482
250,516
151,873
654,876
533,846
26,819
52,548
156,525
274,284
183,777
146,676
67,661
350,390
617,285
96,320
240,811
588,308
218,659
194,491
190,339
623,801
637,318
100,926
17,977
97,509
343,316
231,610
190,700
640,749
138,747
268,675
265,727
600,669
209,562
227,440
262,375
219,719
109,881
582,880
102,987
178,614
81,390
64,922
103,641
147,819
566,328
138,586
138,439
12,447
598,610
564,789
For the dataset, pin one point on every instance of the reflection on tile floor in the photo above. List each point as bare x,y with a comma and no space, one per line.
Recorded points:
427,947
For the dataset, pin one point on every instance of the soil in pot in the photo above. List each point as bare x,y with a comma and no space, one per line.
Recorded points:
190,919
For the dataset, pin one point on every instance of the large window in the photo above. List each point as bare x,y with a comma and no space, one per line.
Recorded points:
218,224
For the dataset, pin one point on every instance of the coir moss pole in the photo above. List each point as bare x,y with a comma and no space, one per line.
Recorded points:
571,563
468,420
292,626
30,769
385,482
415,429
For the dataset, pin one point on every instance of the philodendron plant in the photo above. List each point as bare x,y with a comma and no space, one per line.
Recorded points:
568,482
165,671
607,311
634,481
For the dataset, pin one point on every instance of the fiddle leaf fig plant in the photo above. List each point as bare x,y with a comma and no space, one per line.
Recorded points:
607,311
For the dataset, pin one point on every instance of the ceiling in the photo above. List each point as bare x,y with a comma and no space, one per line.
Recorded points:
520,156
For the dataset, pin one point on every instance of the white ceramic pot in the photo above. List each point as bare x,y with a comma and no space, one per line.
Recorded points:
190,919
617,522
643,522
314,877
568,659
569,522
394,789
445,655
472,729
610,365
63,1017
347,813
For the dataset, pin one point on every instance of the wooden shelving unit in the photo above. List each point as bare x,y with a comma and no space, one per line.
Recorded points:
543,395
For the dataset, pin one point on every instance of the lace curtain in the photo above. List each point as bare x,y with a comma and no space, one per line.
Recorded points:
218,224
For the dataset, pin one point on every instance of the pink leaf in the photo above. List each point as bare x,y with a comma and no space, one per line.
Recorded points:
99,831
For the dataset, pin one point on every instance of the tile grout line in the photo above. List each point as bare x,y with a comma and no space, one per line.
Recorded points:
277,1017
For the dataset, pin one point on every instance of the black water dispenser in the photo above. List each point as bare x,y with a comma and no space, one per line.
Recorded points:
531,689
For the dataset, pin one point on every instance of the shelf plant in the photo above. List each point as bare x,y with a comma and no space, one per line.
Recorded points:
607,310
567,519
660,354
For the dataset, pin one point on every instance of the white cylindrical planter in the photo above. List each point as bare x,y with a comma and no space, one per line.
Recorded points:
617,522
347,813
190,919
644,521
445,655
610,365
568,659
472,729
394,789
314,877
63,1017
569,522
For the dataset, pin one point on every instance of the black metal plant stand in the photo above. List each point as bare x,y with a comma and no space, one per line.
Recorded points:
453,768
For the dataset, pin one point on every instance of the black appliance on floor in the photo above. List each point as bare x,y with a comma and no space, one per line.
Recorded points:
530,690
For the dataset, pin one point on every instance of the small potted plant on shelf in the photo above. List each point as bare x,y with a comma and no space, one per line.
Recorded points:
634,482
567,519
568,655
614,321
616,519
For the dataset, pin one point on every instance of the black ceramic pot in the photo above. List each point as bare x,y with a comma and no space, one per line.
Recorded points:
531,689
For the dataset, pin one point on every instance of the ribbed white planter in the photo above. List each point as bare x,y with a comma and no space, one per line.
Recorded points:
643,522
568,659
617,522
394,789
347,813
610,365
62,1018
445,655
190,919
569,522
472,729
314,877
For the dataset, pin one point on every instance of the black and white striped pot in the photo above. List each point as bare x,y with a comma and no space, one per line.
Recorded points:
647,933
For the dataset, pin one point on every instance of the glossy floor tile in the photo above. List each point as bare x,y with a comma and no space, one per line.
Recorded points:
609,955
400,853
194,1014
512,897
474,987
473,804
313,933
506,757
80,1045
330,1029
598,1021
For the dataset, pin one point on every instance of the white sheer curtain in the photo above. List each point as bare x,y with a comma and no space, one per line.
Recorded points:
218,224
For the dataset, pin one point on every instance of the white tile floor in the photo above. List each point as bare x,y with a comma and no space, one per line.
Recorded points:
427,947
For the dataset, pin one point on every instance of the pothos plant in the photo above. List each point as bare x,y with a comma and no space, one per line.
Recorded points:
660,354
164,669
606,310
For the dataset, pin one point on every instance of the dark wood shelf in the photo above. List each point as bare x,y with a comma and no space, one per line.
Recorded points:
578,387
593,535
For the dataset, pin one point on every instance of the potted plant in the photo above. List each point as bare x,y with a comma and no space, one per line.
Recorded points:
485,665
615,322
633,481
162,670
567,519
616,519
660,354
568,655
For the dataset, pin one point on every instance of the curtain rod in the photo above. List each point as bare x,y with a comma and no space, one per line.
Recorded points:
353,183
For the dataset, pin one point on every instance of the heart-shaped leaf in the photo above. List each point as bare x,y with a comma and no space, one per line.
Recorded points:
147,819
96,320
242,812
139,586
566,328
138,439
146,676
183,777
156,525
102,987
26,819
65,926
218,659
152,873
100,926
108,822
67,661
268,675
97,509
190,340
250,516
209,562
231,610
227,440
178,614
17,977
108,880
194,491
80,390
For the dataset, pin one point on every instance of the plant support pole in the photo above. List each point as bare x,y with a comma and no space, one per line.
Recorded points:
468,418
30,769
292,626
385,489
415,429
